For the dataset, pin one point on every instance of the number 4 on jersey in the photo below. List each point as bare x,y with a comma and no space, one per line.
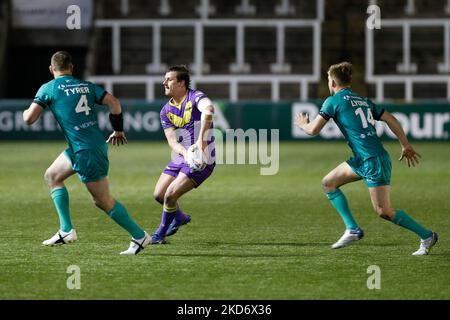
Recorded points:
82,105
364,121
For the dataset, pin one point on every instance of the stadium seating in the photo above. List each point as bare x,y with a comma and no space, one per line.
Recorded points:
264,46
409,57
253,50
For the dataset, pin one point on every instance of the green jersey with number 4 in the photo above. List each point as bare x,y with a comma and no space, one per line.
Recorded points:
355,116
72,103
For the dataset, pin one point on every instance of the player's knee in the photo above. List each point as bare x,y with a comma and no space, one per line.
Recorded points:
170,197
50,177
158,197
327,184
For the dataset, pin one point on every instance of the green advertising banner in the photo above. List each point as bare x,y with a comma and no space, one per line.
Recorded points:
429,121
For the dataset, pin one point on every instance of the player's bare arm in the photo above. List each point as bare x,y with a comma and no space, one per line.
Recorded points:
118,136
173,142
311,128
207,111
408,153
33,113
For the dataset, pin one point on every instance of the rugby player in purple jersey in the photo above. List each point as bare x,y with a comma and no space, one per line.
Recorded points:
186,119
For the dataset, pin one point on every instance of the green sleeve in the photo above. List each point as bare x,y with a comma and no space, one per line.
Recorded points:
328,109
44,96
100,93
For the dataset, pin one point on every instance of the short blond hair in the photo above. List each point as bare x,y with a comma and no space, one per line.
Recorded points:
61,60
341,73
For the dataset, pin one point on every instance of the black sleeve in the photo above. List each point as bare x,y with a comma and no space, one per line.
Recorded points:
324,115
377,116
100,101
42,104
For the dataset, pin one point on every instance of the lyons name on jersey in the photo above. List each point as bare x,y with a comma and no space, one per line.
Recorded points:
77,90
358,103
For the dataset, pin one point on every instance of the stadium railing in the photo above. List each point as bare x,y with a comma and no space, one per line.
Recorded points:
239,71
407,71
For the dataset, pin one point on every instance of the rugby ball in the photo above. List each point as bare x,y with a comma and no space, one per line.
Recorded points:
196,158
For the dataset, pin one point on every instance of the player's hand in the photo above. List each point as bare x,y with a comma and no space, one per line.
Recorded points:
301,120
117,138
184,153
201,145
189,155
412,157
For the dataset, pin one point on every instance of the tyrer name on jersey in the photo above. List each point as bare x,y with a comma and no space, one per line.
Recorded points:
72,102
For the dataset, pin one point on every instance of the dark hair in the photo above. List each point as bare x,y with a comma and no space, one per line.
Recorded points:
182,74
61,60
341,73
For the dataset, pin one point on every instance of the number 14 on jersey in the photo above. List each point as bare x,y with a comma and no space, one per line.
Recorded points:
364,120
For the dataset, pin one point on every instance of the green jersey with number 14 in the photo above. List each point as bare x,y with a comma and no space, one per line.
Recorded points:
355,116
72,103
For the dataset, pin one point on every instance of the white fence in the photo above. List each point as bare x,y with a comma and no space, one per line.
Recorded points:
406,69
240,71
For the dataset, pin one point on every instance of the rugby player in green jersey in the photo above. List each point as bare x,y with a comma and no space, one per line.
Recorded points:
355,116
72,102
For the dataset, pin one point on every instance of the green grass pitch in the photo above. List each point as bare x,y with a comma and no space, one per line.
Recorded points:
251,237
